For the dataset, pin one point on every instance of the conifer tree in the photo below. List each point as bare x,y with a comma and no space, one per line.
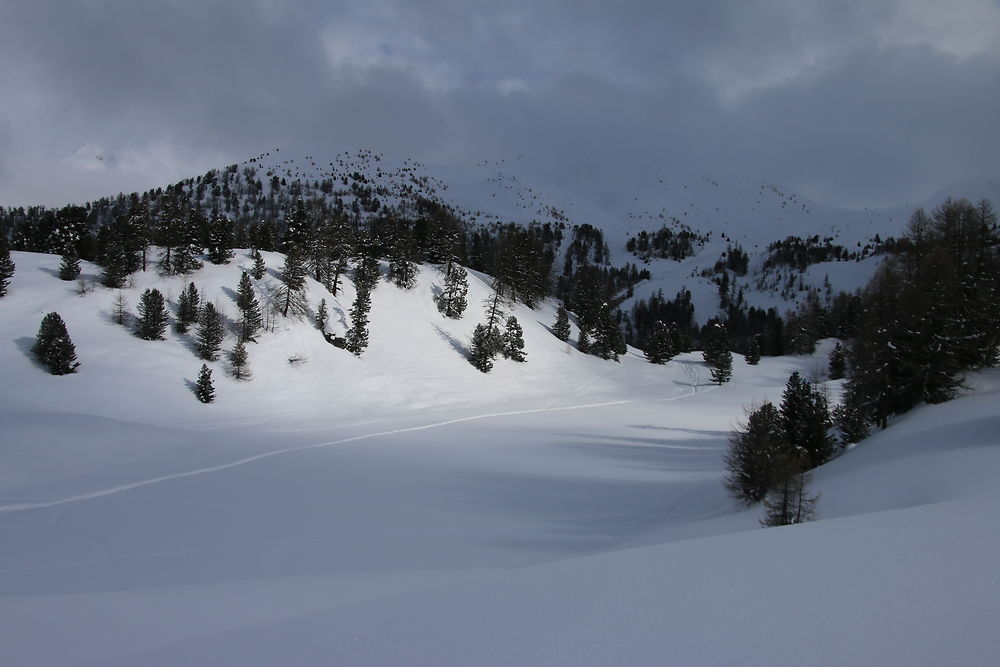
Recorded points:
6,265
513,340
250,317
660,349
753,448
717,354
322,315
211,332
69,267
367,272
188,249
561,328
452,302
357,334
806,419
238,361
402,269
204,389
152,322
291,294
258,269
608,339
583,340
481,353
838,363
752,356
188,307
53,346
114,262
850,419
220,239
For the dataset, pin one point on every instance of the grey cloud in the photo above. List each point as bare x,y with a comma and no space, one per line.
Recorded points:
832,99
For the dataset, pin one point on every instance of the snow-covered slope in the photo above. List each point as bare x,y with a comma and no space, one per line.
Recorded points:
403,508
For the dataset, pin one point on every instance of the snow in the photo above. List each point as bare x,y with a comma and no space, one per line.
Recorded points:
404,508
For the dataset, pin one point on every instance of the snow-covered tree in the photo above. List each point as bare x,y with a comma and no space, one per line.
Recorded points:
717,354
204,389
660,348
69,267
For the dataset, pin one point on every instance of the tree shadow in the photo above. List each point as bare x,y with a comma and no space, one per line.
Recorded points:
24,344
52,272
456,344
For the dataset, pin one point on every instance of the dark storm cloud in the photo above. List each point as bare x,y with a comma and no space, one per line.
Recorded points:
850,102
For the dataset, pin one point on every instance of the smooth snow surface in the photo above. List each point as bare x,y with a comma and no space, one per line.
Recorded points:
403,508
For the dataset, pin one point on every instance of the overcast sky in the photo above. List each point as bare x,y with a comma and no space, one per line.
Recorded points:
850,103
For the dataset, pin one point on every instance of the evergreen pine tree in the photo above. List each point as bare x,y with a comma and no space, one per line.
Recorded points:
322,315
583,340
367,272
211,332
258,269
752,356
561,328
238,361
152,322
69,267
188,249
114,263
220,239
838,363
452,302
204,389
187,308
659,349
291,294
753,448
53,346
513,340
402,269
6,265
850,419
481,353
806,418
246,301
357,334
717,354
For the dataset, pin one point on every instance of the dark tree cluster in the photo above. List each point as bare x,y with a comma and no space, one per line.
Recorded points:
665,243
771,453
928,314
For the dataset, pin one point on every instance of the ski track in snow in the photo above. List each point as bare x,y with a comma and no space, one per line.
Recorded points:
92,495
